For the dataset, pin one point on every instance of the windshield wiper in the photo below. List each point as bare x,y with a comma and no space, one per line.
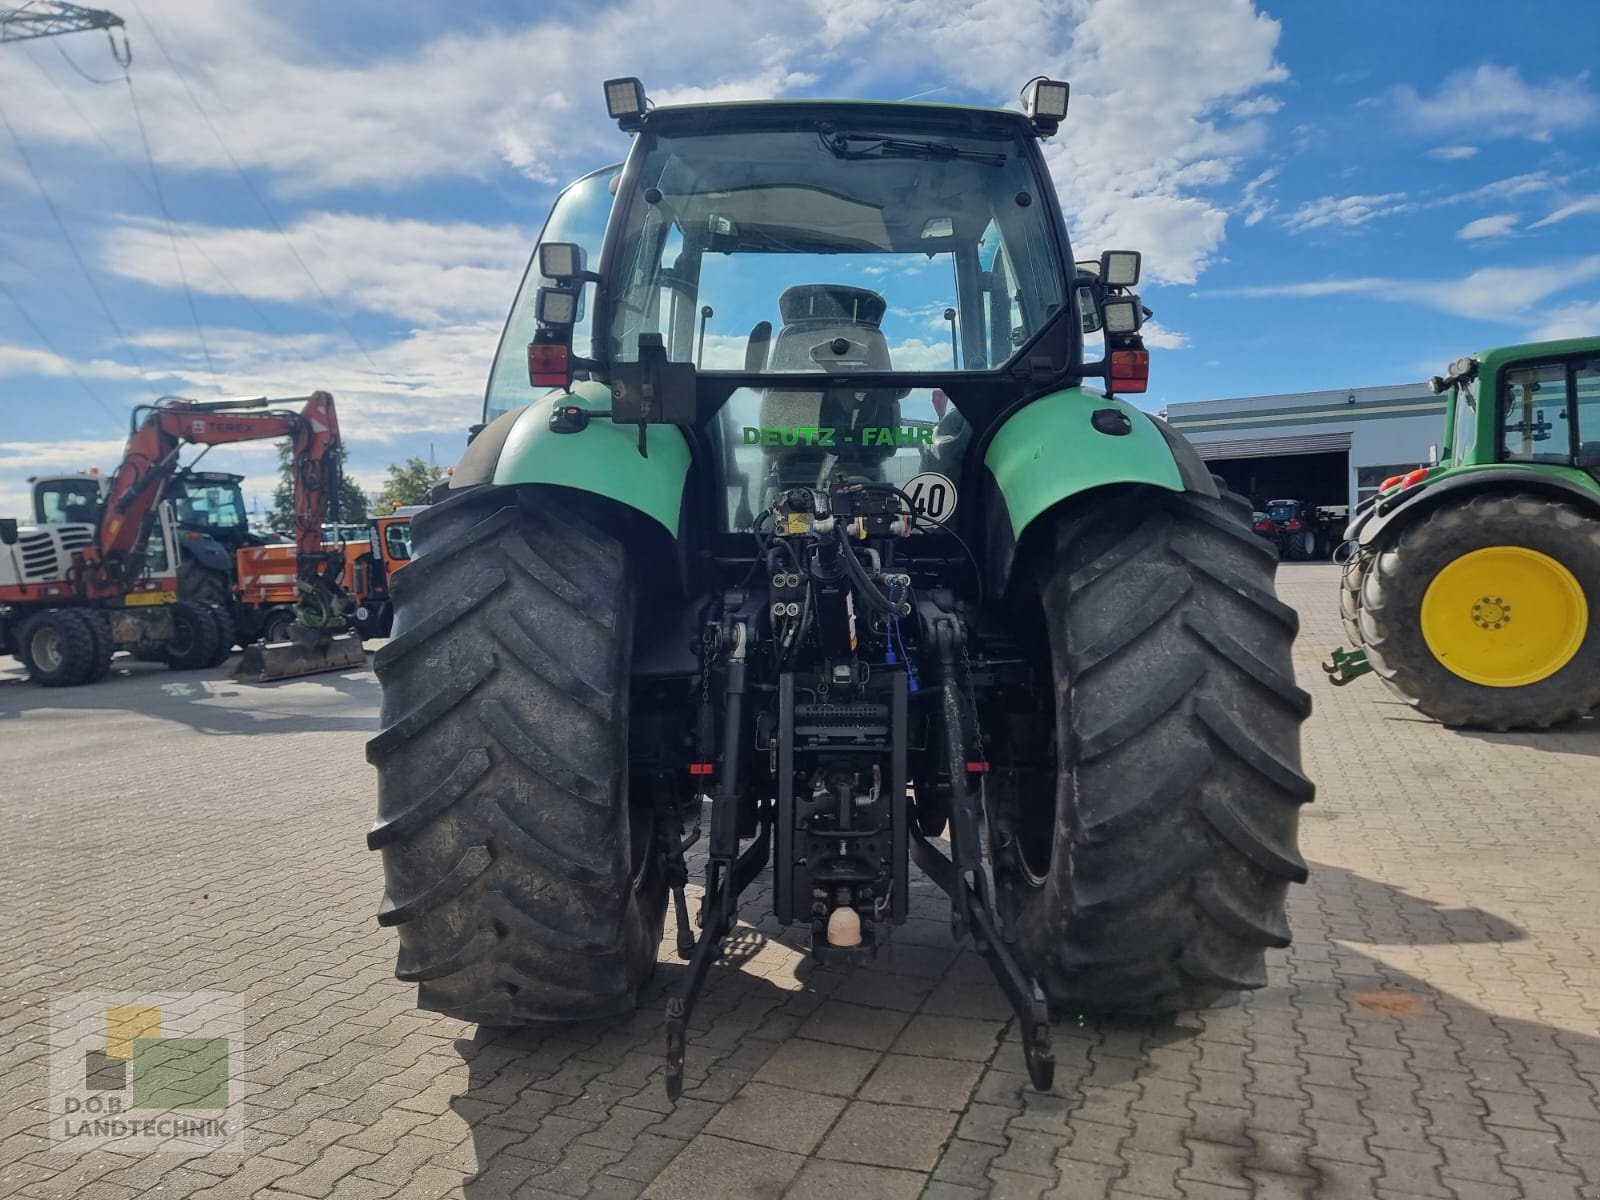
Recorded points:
879,145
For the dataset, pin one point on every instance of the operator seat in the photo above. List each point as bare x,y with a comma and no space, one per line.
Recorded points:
830,327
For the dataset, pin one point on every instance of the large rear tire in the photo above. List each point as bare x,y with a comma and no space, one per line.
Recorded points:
1160,882
104,645
195,635
523,884
59,648
1486,614
1350,596
222,631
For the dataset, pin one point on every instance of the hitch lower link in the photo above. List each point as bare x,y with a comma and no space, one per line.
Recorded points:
1347,666
962,876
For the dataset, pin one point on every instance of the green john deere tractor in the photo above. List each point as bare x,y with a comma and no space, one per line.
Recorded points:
792,511
1472,587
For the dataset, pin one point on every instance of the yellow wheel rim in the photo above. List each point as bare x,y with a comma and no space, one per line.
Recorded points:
1504,616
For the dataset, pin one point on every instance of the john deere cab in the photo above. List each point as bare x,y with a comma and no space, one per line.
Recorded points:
808,516
1473,584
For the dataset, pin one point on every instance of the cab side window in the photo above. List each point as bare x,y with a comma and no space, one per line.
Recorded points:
1534,423
1587,378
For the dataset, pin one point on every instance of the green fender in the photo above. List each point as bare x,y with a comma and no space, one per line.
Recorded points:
603,458
1051,450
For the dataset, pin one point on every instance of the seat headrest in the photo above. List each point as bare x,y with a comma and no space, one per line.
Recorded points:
832,302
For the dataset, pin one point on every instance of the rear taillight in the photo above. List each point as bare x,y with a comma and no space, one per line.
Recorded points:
1130,370
549,364
1412,478
1294,523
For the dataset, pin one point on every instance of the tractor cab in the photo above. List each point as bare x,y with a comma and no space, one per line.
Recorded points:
69,499
211,504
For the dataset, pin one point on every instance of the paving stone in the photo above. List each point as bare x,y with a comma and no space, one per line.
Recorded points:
926,1082
889,1135
738,1168
779,1117
949,1037
813,1066
854,1025
822,1179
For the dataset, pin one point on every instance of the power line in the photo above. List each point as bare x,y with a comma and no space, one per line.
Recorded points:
66,236
116,156
166,216
251,188
44,337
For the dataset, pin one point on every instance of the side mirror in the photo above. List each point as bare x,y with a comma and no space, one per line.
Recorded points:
560,260
1120,268
8,531
1089,309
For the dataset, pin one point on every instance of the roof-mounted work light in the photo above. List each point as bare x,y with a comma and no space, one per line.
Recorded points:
625,102
1045,103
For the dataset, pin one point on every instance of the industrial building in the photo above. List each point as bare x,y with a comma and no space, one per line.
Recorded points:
1325,448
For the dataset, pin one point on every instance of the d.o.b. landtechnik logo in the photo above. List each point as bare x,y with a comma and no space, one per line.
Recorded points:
146,1073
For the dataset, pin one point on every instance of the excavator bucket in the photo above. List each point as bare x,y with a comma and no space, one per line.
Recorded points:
311,655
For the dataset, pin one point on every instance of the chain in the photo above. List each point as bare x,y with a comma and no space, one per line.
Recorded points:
710,644
972,694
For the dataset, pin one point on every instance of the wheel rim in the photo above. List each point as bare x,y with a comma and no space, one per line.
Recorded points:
45,649
1504,616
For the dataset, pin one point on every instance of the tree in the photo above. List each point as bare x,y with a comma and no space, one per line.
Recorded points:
352,500
409,482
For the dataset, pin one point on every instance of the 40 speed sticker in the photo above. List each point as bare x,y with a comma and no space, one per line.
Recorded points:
933,494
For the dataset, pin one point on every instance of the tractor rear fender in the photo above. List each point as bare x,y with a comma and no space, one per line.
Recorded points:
1558,483
206,551
1067,443
602,458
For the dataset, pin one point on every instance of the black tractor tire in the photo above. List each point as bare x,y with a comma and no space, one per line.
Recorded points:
201,585
1401,572
1350,597
194,642
276,626
104,645
1178,784
222,621
523,884
59,647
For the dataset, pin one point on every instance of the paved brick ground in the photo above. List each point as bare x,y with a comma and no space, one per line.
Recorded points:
1434,1031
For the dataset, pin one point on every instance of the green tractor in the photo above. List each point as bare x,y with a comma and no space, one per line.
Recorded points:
1472,587
793,524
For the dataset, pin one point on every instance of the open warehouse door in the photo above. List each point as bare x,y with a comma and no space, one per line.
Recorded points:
1302,483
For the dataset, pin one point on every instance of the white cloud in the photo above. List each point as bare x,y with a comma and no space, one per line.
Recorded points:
1495,101
1139,143
1571,321
415,270
1504,294
1254,201
1346,211
1158,337
1488,227
1588,204
29,360
1136,149
1452,153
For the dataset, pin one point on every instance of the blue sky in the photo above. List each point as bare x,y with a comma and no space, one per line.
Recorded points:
1327,196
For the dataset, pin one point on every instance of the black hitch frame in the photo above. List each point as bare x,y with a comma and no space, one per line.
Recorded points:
963,876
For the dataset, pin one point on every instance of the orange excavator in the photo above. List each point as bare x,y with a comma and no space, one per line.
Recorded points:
85,582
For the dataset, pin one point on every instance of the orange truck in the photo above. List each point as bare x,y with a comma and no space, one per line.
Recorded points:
266,577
